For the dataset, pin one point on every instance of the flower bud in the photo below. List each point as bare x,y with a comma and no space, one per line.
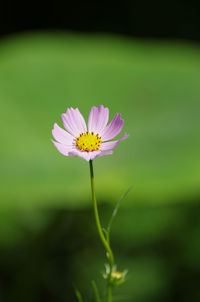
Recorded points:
117,277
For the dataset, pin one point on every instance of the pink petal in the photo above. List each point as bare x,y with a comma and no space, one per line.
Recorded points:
113,129
63,149
98,119
100,153
61,135
88,155
110,145
74,122
83,154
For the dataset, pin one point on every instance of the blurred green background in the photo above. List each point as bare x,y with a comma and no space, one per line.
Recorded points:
48,240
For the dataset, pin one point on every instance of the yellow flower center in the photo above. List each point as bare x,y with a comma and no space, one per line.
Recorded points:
88,141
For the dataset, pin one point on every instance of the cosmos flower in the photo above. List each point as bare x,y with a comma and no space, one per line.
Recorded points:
87,142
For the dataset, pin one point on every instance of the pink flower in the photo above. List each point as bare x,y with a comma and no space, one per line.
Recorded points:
88,142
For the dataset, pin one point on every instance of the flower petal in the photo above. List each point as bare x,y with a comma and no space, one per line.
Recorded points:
100,153
83,154
88,155
113,129
61,135
73,121
110,145
63,149
98,119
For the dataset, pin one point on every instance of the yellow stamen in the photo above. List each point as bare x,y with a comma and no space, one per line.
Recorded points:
88,141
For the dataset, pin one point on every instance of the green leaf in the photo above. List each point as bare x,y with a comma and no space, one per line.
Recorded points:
96,292
114,213
78,295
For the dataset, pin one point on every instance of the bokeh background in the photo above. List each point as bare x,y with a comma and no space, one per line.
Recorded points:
141,60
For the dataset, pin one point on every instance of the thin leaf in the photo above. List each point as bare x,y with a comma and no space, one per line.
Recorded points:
96,292
114,213
78,295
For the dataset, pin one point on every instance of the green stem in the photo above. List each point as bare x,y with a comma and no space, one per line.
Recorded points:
101,234
109,293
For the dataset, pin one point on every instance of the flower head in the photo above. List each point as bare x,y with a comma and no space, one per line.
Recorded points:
87,142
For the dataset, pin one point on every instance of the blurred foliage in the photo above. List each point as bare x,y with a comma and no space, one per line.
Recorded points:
154,85
48,239
158,244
